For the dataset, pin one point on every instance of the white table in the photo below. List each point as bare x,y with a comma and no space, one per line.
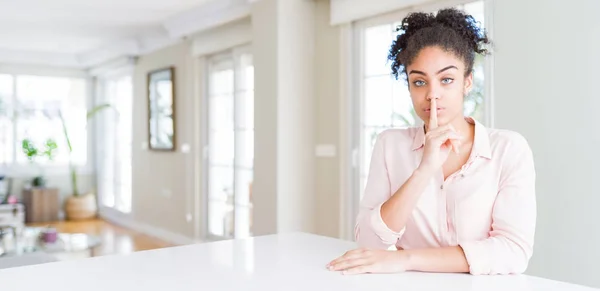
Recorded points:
277,262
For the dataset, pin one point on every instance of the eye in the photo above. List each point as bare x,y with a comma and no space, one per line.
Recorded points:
447,80
419,83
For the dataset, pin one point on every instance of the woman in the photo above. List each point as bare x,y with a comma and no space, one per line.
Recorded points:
452,195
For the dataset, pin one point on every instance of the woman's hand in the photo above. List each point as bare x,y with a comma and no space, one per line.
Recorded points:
438,142
363,260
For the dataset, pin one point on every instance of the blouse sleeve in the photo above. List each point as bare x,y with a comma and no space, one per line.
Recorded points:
370,230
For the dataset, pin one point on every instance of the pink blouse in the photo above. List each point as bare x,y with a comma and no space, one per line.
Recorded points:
488,207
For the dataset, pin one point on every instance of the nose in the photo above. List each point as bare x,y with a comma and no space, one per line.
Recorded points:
433,93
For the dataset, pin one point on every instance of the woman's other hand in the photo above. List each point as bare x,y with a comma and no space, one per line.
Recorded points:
363,260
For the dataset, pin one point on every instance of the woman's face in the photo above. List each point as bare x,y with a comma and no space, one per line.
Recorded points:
438,74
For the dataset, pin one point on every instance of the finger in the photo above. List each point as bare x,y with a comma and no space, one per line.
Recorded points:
450,145
455,144
348,264
433,121
440,131
342,259
357,270
348,255
444,137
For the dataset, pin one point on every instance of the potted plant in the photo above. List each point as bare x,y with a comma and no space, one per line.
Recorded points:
79,205
41,202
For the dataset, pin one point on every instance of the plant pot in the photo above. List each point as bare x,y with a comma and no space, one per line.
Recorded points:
81,207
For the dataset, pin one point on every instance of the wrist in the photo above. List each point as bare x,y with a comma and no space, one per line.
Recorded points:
406,258
423,171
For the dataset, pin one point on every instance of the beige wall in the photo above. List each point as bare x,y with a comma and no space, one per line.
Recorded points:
327,126
163,182
264,189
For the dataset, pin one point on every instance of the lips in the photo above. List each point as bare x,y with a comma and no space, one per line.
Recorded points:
429,109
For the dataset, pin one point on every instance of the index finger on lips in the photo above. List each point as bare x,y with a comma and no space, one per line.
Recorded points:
433,122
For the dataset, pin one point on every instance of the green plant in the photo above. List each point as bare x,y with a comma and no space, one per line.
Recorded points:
51,146
73,172
31,151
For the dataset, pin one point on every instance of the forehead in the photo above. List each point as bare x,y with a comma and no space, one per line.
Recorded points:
432,59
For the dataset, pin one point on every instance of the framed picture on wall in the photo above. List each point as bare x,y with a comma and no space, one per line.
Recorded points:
161,109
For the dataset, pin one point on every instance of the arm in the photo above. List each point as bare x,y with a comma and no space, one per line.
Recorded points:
438,260
510,243
370,230
396,210
382,222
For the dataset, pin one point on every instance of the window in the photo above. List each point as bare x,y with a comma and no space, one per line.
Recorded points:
230,161
31,108
7,144
115,138
384,102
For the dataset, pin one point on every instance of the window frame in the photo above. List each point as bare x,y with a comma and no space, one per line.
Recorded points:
233,55
355,84
101,89
24,170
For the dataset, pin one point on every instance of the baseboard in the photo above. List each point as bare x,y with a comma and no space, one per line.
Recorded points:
127,222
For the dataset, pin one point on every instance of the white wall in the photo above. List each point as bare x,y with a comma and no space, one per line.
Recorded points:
547,68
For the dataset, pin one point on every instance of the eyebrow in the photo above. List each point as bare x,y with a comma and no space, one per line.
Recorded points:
440,71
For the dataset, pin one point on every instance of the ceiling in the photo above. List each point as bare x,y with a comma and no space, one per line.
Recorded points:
70,29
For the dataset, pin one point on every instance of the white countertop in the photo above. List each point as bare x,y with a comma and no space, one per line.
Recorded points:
276,262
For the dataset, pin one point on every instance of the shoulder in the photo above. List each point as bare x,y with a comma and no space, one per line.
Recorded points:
512,150
398,136
395,141
508,141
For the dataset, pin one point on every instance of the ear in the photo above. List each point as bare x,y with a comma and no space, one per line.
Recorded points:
468,83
